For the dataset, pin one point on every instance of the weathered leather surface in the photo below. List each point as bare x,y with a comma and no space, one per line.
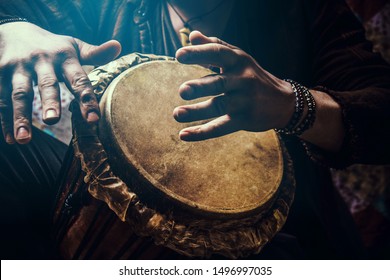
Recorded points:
183,231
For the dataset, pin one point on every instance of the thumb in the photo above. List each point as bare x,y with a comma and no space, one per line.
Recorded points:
98,55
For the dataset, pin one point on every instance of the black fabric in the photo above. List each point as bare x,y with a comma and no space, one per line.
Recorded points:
27,193
164,36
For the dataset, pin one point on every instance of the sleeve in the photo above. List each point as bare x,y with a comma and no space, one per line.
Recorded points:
93,21
345,67
8,11
72,18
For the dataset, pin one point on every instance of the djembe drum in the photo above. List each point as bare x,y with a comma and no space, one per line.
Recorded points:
131,189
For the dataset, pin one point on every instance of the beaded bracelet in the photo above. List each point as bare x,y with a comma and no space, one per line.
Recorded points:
16,19
299,108
308,121
295,127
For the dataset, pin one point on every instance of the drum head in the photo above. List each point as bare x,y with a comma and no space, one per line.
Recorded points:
232,175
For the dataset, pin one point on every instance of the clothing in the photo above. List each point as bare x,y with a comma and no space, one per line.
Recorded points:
28,189
364,9
316,43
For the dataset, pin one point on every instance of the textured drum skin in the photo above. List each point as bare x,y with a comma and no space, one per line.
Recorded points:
131,189
230,175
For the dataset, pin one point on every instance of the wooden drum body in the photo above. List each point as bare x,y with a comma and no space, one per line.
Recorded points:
132,176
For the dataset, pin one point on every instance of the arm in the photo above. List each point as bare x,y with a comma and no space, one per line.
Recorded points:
328,130
357,79
342,61
254,99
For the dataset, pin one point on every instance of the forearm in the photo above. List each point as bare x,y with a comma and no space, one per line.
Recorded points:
328,129
351,127
358,83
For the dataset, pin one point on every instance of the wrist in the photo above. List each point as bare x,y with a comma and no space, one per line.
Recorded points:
328,131
304,113
287,103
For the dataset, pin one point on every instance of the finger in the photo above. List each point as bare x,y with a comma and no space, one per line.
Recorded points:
210,85
214,54
49,91
79,84
6,114
211,108
215,128
6,121
98,55
22,97
197,38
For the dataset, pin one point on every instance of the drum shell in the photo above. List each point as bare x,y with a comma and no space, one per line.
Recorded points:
86,228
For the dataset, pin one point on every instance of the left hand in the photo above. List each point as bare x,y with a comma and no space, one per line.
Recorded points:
244,95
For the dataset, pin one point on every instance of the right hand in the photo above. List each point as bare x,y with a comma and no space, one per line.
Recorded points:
29,53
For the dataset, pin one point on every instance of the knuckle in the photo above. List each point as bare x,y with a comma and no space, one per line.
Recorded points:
216,40
69,39
37,55
21,94
80,82
25,60
60,52
250,81
47,82
21,120
220,83
65,53
219,103
241,53
217,48
8,63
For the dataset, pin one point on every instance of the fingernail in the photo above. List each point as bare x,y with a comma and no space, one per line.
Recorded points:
186,92
22,133
182,55
183,134
180,113
51,114
92,117
9,139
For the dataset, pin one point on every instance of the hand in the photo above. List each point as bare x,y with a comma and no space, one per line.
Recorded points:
30,54
245,96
